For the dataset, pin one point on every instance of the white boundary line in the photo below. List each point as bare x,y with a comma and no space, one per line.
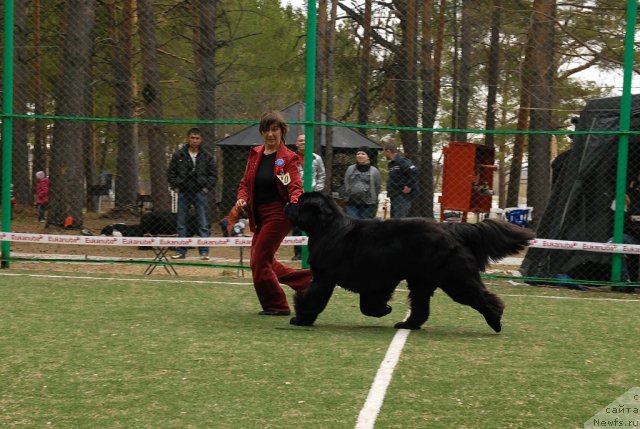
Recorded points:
571,298
373,404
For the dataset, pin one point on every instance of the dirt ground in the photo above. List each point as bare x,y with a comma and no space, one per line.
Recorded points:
225,261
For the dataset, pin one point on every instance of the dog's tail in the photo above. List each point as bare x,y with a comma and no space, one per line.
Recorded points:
491,240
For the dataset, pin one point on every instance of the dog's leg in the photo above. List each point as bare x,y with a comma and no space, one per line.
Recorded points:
420,299
310,302
492,310
472,292
374,305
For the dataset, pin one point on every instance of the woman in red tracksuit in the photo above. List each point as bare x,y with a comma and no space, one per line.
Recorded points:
271,180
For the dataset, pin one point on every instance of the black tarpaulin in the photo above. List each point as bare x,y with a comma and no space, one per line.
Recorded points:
583,188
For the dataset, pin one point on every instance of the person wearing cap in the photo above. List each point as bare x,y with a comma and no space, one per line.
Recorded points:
362,184
42,194
271,180
402,181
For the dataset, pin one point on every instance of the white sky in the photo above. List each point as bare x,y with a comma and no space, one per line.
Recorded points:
301,4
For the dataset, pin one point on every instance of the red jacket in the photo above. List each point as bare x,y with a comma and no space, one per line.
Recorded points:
289,193
42,191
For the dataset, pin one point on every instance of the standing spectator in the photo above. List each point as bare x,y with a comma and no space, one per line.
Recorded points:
402,181
317,183
42,194
192,174
319,175
270,181
13,201
362,183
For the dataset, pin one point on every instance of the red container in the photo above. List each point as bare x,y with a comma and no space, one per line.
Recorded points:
467,178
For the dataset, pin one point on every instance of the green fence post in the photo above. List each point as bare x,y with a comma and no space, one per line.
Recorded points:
623,142
7,128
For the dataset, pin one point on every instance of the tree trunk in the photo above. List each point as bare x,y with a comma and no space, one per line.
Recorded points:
66,194
328,155
321,68
437,52
520,140
153,107
464,88
437,72
493,71
455,71
126,187
39,147
501,154
429,109
406,87
89,161
207,81
365,65
206,69
22,189
539,180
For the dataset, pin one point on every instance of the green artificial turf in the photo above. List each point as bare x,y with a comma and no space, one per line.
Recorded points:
86,352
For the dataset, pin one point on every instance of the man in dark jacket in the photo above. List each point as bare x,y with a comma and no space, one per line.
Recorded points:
402,181
192,175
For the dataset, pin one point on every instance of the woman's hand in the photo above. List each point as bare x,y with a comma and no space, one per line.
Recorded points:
241,203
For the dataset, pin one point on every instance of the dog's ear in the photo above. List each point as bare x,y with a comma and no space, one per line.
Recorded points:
326,211
107,230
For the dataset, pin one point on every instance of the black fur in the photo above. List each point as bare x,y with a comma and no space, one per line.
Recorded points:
152,223
123,229
164,223
370,257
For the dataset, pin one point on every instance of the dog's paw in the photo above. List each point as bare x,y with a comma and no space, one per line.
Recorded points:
494,322
299,322
406,325
378,312
496,325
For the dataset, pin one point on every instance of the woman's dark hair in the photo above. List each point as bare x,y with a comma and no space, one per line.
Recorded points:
270,118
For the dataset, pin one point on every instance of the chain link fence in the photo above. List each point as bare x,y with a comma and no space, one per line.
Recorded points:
506,109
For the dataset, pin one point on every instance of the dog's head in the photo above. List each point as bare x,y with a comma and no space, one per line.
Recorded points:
107,230
314,212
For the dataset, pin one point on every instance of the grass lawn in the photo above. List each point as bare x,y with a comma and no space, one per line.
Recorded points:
150,352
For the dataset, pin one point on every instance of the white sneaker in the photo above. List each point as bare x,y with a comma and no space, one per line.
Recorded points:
204,257
178,256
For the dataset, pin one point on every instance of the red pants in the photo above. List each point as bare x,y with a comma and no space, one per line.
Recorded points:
267,272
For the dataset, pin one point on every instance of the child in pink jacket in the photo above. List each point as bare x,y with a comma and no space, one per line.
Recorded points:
42,194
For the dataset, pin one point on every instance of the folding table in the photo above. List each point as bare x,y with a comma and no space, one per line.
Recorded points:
160,253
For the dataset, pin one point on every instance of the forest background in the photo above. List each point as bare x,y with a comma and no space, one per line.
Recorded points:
113,85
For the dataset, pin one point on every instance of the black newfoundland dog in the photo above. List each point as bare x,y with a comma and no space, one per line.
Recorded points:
370,257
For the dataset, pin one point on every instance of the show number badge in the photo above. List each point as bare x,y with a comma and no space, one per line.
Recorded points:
280,174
